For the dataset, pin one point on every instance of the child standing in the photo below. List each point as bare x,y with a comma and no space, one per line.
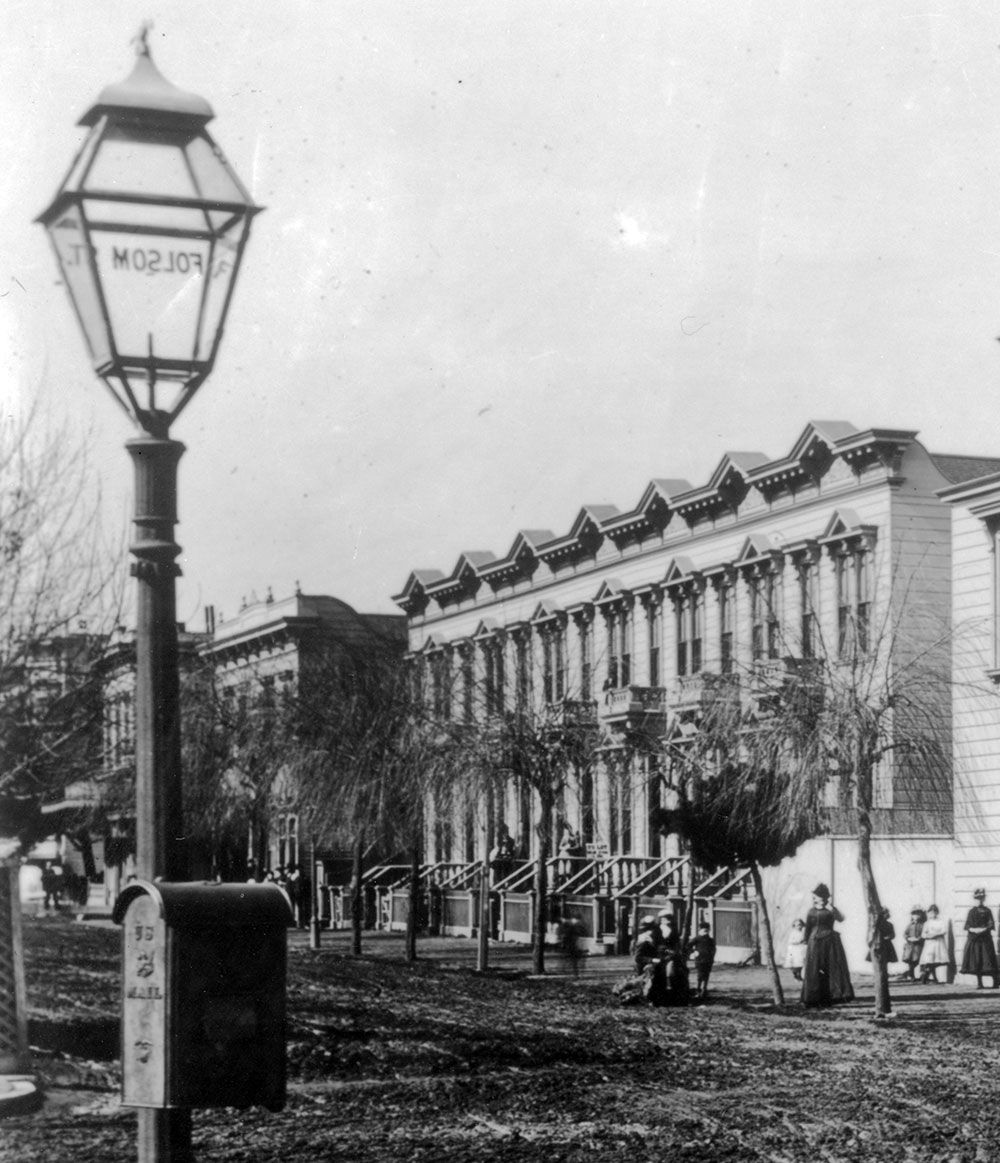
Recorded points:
935,950
913,942
702,949
796,955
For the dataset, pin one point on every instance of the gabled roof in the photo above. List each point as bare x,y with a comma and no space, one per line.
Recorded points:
545,611
844,523
584,536
514,564
820,443
463,581
726,486
652,513
412,598
757,546
680,569
611,590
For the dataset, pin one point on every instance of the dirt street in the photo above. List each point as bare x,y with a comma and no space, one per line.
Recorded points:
433,1062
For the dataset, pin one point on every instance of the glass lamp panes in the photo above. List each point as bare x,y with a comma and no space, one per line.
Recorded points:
149,228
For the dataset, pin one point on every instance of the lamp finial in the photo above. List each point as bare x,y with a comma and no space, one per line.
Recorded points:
141,39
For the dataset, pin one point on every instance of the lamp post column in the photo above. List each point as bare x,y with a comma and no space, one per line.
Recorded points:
164,1136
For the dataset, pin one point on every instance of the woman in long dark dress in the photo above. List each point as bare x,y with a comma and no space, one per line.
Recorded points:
980,957
826,979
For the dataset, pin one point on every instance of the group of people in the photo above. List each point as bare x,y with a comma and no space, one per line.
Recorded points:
660,958
926,949
816,955
288,877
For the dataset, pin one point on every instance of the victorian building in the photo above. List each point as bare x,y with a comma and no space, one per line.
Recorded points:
975,645
247,662
632,616
276,647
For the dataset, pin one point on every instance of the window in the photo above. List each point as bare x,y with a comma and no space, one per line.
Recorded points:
853,601
808,607
494,677
689,618
467,685
862,603
444,836
654,802
757,618
441,684
619,622
772,607
620,795
522,676
470,833
586,659
587,805
681,630
727,612
553,663
697,628
288,839
655,627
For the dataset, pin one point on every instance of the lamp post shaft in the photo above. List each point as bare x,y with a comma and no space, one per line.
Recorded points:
164,1136
159,826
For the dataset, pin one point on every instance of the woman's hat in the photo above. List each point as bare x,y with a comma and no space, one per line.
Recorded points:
980,894
933,909
647,922
916,910
821,891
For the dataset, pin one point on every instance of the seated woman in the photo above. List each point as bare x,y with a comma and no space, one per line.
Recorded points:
649,984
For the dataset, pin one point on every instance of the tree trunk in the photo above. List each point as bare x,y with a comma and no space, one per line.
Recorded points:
883,1003
777,993
688,907
541,885
485,907
414,909
357,895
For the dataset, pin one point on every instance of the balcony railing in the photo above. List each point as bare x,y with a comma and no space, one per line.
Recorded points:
572,713
635,707
692,692
773,679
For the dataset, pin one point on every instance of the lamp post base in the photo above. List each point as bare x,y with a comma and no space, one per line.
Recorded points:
164,1136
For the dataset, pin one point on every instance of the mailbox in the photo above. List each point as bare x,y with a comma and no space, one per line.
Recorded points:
203,994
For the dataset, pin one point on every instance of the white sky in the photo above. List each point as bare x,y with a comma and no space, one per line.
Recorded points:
519,257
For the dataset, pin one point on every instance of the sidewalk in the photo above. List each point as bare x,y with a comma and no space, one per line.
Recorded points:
750,985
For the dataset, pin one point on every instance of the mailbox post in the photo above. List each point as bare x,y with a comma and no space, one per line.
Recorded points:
203,994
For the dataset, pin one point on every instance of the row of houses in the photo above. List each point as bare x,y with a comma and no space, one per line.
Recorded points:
855,542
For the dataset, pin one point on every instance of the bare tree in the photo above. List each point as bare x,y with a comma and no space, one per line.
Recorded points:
358,760
810,744
61,588
546,750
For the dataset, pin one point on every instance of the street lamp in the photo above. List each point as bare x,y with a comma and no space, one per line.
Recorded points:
149,229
